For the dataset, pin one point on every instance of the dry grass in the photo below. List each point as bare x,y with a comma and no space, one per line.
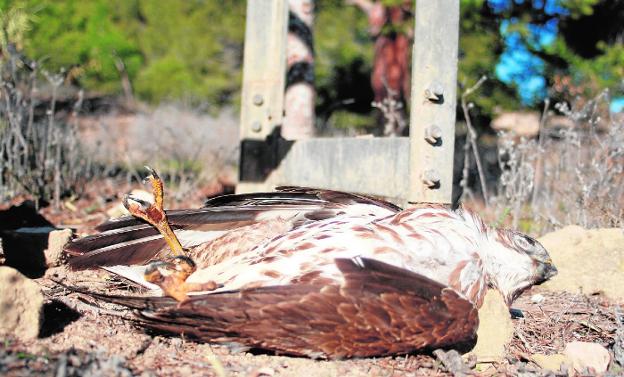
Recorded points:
567,175
40,153
187,147
49,150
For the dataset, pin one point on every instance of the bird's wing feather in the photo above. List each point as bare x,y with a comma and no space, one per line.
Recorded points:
136,251
184,218
342,197
128,240
131,241
295,195
379,310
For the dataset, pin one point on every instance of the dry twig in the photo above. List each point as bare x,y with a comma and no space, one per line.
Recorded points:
471,143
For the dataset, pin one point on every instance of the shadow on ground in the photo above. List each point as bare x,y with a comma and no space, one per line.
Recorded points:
56,316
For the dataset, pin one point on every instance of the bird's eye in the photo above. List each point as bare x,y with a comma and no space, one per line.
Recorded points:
524,242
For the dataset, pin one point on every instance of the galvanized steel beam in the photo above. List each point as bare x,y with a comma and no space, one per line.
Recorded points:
433,101
264,66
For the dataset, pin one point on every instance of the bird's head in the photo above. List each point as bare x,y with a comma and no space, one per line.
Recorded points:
515,262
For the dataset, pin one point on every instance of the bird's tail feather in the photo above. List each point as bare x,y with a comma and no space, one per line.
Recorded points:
136,251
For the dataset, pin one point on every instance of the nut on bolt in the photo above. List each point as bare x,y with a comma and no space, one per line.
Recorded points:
431,178
258,100
434,92
256,126
433,134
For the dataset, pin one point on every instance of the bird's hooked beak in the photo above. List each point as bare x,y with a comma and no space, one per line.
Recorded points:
545,271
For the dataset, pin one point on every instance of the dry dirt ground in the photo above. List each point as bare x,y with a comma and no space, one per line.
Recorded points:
81,337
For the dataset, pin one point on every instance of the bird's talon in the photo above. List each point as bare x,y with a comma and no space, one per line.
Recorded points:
184,265
142,203
171,277
152,172
157,187
154,213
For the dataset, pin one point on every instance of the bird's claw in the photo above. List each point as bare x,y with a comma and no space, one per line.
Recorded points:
171,275
157,186
143,205
152,173
145,210
154,213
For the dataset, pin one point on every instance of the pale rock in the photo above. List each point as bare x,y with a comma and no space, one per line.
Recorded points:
21,305
521,123
618,345
550,362
583,355
589,261
57,239
527,124
495,328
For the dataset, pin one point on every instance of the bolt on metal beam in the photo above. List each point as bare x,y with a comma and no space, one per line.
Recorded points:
433,100
262,102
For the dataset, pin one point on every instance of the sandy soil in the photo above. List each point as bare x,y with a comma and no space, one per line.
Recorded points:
85,338
81,337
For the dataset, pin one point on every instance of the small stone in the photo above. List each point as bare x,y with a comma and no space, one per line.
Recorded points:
550,362
537,298
453,362
495,328
21,305
57,239
583,355
185,370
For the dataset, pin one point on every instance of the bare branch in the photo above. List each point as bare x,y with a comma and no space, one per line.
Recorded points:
471,137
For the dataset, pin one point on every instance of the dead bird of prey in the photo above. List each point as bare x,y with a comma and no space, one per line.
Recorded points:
319,273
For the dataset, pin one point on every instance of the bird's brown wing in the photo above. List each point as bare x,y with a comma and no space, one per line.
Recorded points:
379,310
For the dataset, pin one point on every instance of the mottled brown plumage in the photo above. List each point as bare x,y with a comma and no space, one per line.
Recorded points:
379,310
244,220
321,273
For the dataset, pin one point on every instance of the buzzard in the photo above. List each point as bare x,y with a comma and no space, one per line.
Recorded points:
317,273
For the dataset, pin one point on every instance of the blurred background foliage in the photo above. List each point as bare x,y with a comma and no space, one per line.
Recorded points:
191,50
